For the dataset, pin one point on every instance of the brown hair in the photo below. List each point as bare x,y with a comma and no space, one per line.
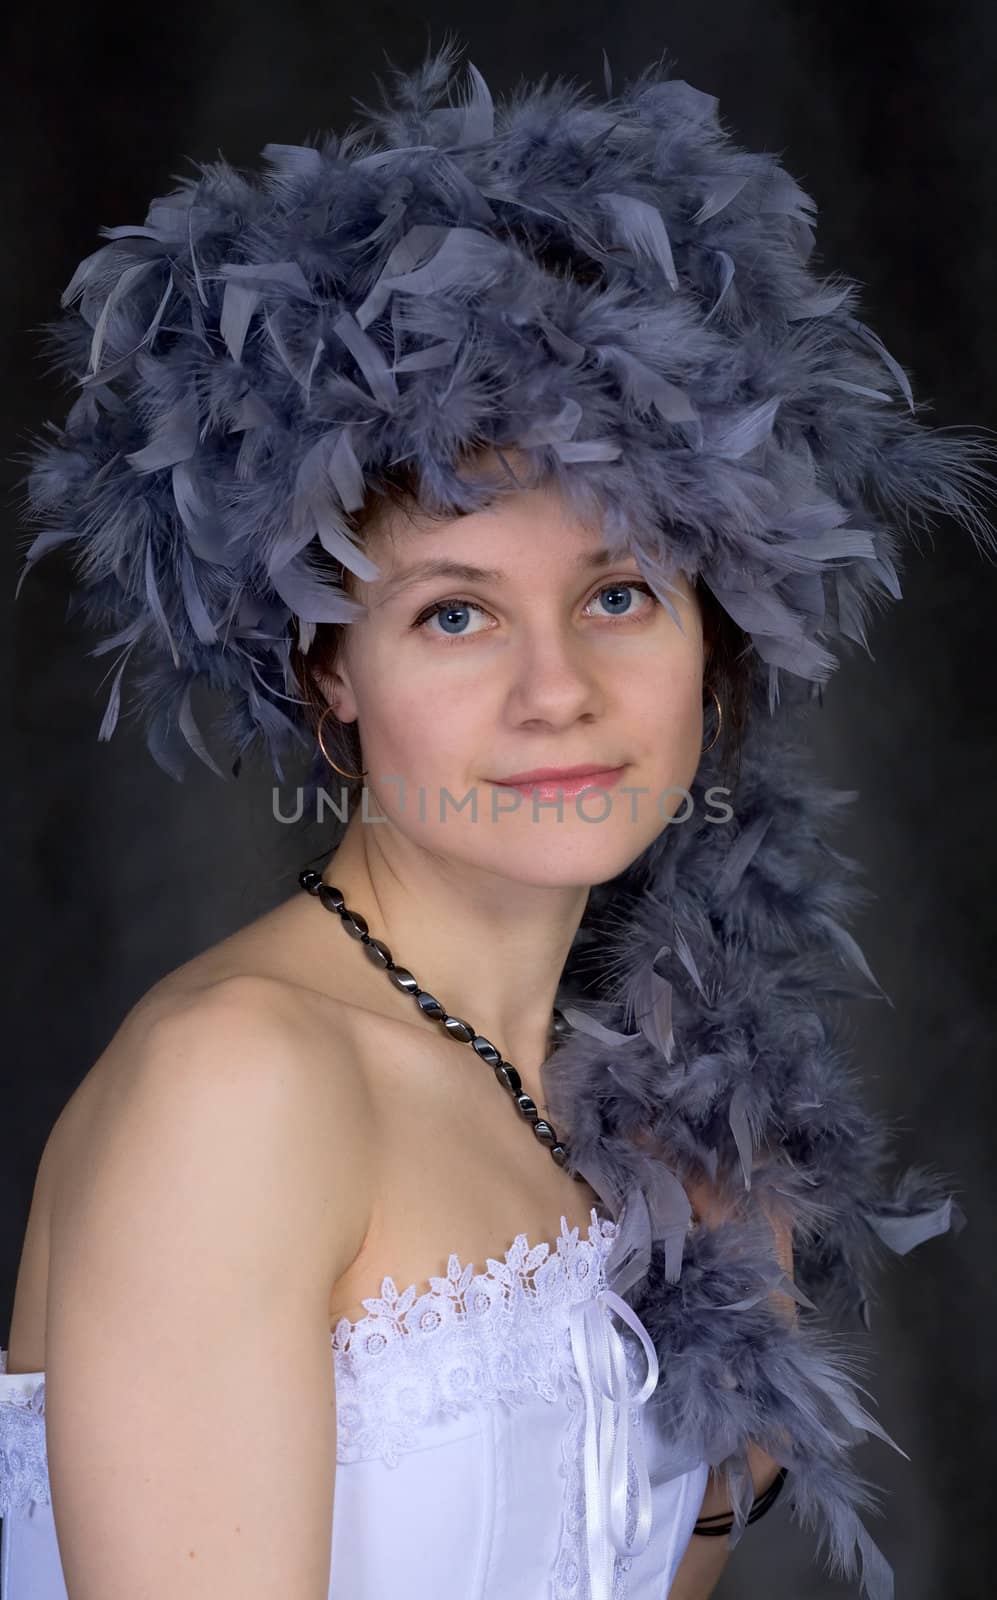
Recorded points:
729,671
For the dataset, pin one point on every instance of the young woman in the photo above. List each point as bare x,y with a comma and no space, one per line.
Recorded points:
319,1295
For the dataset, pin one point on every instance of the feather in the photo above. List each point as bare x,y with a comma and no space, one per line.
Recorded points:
313,363
297,160
670,1213
109,720
903,1234
206,534
195,269
437,355
311,598
197,613
646,389
641,227
192,734
329,462
593,1027
889,361
819,304
161,740
368,358
688,960
346,473
84,275
464,260
737,1116
727,272
156,605
238,304
286,275
478,120
173,438
587,450
863,389
651,1002
742,431
125,284
422,241
43,542
852,951
721,192
550,429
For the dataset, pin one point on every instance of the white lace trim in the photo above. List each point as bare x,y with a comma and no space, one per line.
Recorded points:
23,1458
471,1338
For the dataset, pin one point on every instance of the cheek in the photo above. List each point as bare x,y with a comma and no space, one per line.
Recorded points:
667,713
414,720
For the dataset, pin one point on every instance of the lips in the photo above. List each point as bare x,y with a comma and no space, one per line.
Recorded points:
564,785
556,774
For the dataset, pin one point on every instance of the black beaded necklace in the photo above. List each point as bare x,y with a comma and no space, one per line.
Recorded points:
455,1027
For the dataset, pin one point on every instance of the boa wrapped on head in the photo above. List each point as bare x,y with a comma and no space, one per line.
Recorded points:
615,290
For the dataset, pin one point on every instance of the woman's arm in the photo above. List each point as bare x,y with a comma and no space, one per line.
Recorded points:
190,1389
700,1569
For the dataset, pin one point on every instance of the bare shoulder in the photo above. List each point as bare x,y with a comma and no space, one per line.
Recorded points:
251,1055
214,1189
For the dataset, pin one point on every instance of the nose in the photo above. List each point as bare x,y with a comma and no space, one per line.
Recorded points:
556,679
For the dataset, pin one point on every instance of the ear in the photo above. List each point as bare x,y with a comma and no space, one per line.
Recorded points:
337,687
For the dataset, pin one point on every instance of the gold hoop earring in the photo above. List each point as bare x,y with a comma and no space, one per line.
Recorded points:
328,757
720,723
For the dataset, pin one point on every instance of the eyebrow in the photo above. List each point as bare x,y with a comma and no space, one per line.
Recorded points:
443,567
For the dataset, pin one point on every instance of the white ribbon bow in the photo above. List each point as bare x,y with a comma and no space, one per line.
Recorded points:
600,1356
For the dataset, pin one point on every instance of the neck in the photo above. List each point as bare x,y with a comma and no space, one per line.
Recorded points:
490,949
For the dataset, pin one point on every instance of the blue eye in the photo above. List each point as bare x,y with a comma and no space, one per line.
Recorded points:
457,603
444,608
621,588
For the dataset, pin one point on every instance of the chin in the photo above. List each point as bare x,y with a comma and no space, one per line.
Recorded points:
555,860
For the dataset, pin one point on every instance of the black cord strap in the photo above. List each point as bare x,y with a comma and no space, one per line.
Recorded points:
723,1521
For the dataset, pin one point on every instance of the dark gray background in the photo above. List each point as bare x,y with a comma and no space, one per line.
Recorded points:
886,115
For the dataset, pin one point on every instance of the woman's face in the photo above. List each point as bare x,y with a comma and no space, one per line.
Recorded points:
554,660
